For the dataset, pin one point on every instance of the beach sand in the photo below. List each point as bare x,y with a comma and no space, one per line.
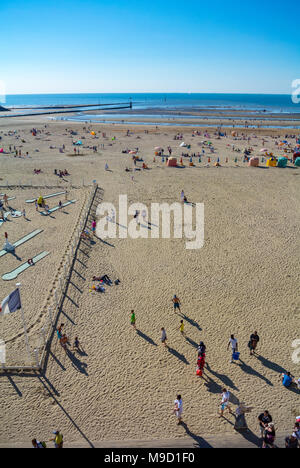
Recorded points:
245,278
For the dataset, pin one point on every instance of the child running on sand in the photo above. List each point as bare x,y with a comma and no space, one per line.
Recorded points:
225,402
178,408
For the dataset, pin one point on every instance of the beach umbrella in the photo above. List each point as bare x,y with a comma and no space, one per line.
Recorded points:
93,133
78,142
264,150
158,148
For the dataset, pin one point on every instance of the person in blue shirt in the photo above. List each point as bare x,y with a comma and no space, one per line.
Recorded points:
286,379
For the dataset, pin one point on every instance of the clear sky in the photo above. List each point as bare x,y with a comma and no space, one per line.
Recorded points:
63,46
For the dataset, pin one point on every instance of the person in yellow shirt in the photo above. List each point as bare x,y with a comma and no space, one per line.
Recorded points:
181,328
58,440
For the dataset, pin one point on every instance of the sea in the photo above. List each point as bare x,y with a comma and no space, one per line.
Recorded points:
271,103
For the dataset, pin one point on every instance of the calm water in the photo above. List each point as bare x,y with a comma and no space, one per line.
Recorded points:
258,102
95,119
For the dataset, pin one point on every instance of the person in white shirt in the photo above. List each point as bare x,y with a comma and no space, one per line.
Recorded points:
225,402
163,336
178,408
234,345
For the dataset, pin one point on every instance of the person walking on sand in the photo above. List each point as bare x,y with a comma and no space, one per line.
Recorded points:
60,328
264,419
269,437
181,328
234,346
163,338
94,224
63,341
58,439
254,339
77,346
201,348
133,319
225,402
178,409
201,362
176,303
291,442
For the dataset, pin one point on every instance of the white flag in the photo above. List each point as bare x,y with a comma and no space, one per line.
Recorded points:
11,303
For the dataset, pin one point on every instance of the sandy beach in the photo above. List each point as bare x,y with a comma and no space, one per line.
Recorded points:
245,278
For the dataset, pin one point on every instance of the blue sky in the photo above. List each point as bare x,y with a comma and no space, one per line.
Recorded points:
52,46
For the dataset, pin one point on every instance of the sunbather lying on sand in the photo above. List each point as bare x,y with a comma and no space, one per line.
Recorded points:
103,278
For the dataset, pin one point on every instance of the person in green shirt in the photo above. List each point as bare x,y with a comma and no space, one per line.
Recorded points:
132,319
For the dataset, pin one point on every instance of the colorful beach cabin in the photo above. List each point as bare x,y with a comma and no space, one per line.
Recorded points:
297,162
172,162
253,162
271,162
282,162
295,156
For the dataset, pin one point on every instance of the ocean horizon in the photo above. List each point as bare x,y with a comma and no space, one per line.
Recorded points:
273,103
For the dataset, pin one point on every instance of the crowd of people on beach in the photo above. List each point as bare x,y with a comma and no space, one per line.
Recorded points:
266,425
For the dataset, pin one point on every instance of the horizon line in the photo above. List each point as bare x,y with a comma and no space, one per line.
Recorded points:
149,92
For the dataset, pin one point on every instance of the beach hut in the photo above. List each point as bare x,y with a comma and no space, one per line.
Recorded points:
295,156
271,162
172,162
282,162
297,162
253,162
